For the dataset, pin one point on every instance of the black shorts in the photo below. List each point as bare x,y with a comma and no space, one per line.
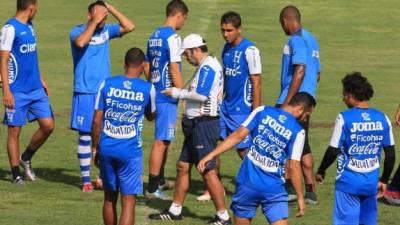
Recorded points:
201,137
305,125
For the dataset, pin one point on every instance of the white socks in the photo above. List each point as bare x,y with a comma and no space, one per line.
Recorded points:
175,209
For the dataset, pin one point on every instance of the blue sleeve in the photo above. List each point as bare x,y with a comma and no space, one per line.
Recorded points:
114,30
299,50
75,32
252,121
206,80
388,139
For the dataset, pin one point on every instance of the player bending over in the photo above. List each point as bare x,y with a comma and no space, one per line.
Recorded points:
276,137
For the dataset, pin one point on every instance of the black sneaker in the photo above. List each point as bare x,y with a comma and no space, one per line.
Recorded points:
311,198
218,221
18,181
166,215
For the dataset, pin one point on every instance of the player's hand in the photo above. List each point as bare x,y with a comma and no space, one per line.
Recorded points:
100,14
302,207
203,163
381,189
319,178
46,88
167,92
397,118
8,100
172,92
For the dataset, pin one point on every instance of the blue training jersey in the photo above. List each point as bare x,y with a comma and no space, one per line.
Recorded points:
360,134
163,48
92,62
277,136
239,62
302,49
123,101
23,68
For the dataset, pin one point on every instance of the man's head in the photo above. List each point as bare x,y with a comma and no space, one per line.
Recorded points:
356,88
96,8
290,19
178,10
30,6
135,60
302,105
194,48
231,26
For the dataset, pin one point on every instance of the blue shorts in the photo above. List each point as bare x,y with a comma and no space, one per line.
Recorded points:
349,209
201,137
246,200
229,124
82,112
124,175
165,123
28,106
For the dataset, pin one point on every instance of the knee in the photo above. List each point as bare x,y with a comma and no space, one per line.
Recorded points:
307,161
48,128
182,168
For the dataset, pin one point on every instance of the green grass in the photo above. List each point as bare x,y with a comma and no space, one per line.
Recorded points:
354,35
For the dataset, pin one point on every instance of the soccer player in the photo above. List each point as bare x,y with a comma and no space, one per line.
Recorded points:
359,135
392,194
242,79
300,73
276,137
90,52
116,136
25,92
201,129
164,63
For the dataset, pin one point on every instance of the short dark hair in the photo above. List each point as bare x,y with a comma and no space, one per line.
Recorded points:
304,99
291,12
176,6
358,86
232,18
24,4
92,5
134,56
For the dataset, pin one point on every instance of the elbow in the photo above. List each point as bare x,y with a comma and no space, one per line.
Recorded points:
79,44
131,27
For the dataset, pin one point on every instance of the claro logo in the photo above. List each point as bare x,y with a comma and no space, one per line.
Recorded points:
27,48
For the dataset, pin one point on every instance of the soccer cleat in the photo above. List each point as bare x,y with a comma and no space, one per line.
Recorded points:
158,194
29,173
392,197
218,221
205,197
311,198
168,185
87,187
166,215
18,181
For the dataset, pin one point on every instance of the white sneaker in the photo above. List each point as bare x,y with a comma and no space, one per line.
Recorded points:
205,197
29,173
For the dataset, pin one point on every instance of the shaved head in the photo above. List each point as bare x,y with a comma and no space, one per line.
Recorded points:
290,13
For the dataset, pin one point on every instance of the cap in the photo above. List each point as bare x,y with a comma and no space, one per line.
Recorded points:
192,41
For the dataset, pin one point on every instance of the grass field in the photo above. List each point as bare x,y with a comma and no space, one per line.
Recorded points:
354,35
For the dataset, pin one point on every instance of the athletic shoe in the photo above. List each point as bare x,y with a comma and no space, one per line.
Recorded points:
166,215
158,194
18,181
205,197
28,169
392,197
168,185
311,198
87,187
218,221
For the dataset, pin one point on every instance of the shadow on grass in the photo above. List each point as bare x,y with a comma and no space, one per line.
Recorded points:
58,175
5,175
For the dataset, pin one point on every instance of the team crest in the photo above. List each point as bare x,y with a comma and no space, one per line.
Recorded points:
282,118
365,116
127,85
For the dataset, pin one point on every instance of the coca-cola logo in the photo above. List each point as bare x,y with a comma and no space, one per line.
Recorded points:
127,116
371,148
